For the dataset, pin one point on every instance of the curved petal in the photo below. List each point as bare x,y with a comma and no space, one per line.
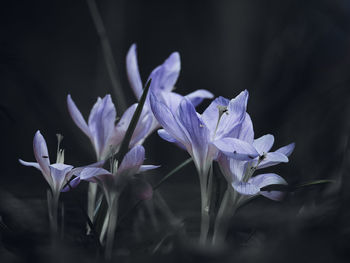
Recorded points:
59,172
76,116
272,158
197,132
132,161
32,164
211,114
198,96
236,149
133,73
263,180
91,173
101,123
143,128
41,154
165,76
245,188
72,184
167,120
287,150
264,143
236,112
246,130
166,136
148,167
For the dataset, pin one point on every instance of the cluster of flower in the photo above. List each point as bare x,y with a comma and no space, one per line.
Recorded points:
222,133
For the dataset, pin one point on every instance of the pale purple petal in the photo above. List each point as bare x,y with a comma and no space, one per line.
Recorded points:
133,73
211,114
41,154
236,148
166,136
167,119
272,158
91,174
147,167
101,123
264,143
198,96
59,172
76,116
143,128
132,161
32,164
72,184
197,132
165,76
245,188
263,180
287,150
235,115
246,132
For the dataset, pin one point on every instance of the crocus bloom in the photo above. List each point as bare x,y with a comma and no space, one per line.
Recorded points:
56,174
101,129
240,173
163,82
203,136
131,164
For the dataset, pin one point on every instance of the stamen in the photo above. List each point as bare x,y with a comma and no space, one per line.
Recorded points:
222,109
60,152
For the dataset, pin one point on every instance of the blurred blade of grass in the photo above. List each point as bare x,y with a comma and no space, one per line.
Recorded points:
108,56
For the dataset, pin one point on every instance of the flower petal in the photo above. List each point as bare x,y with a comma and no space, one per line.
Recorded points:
198,96
32,164
287,150
41,154
272,158
133,73
77,117
196,130
148,167
235,115
236,149
263,180
211,114
165,76
246,132
167,119
166,136
101,123
91,173
264,143
245,188
132,161
59,172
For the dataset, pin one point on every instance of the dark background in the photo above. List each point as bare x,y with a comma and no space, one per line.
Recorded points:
292,56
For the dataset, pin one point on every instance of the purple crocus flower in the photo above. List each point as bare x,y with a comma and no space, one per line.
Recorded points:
240,173
203,136
56,174
101,129
131,164
163,82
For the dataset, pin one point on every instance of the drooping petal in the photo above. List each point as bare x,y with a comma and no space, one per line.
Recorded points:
196,130
32,164
236,148
133,73
101,123
91,173
132,161
59,172
165,76
211,114
41,154
77,117
167,119
287,150
198,96
263,180
264,143
272,158
245,188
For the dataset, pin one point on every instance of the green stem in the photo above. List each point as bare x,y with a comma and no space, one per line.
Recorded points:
205,216
112,224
